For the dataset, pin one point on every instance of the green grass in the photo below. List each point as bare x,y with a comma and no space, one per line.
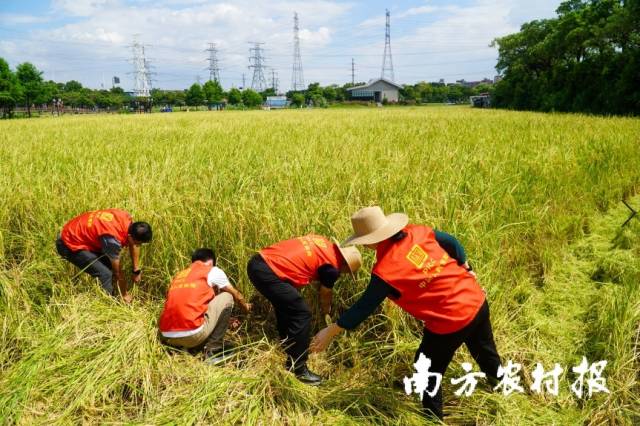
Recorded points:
534,198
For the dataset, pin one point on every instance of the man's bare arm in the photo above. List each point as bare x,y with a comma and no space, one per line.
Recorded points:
238,297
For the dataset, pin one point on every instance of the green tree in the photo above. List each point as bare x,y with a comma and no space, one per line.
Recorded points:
330,93
318,101
408,93
586,59
297,99
482,88
102,99
31,81
195,95
454,93
251,98
72,86
71,99
118,97
159,96
270,91
213,92
180,98
50,90
313,89
10,90
234,96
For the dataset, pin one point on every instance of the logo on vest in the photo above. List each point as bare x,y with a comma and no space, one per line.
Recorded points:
417,256
99,215
320,242
430,267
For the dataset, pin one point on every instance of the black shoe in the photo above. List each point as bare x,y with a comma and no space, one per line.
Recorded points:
307,376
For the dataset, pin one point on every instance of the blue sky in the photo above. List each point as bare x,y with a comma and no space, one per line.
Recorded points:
89,40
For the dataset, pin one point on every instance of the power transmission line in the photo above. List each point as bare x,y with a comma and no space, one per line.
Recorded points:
256,61
387,61
297,79
214,69
141,70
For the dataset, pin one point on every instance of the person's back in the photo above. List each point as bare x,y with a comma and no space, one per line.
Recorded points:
195,314
297,260
433,286
187,298
93,241
83,231
280,270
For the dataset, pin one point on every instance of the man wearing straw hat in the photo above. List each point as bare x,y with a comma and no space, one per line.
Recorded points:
280,270
425,273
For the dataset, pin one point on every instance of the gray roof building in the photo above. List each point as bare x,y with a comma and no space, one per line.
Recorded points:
376,90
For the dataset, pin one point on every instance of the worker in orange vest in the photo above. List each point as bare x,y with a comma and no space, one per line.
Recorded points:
279,271
198,307
425,273
93,241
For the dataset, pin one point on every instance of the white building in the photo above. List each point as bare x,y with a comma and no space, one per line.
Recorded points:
376,90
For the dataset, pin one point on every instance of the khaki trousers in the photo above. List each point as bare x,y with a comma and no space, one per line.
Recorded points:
216,321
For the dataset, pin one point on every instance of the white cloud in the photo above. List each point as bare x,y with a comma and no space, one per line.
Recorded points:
82,7
379,21
416,11
177,31
525,10
8,48
18,19
320,37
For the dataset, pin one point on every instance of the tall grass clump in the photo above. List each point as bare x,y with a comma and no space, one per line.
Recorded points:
534,198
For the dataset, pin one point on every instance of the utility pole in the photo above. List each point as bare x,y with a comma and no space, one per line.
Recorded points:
274,80
297,79
243,81
256,61
387,61
353,73
214,69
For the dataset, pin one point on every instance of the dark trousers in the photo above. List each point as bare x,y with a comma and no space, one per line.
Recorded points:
293,316
97,265
439,348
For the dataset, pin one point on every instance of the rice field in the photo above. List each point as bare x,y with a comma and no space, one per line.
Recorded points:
534,198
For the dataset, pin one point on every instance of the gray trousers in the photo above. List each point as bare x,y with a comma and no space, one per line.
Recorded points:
97,265
216,321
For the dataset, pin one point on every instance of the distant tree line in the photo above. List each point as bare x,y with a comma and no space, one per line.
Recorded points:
440,92
585,60
26,88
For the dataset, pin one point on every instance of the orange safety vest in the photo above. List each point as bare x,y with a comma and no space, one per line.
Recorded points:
432,286
188,299
297,260
83,232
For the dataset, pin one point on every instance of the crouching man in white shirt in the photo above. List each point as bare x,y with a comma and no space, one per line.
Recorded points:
195,314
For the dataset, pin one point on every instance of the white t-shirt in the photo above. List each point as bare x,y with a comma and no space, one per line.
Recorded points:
216,277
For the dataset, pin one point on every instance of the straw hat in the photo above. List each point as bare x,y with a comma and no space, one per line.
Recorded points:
371,226
351,256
